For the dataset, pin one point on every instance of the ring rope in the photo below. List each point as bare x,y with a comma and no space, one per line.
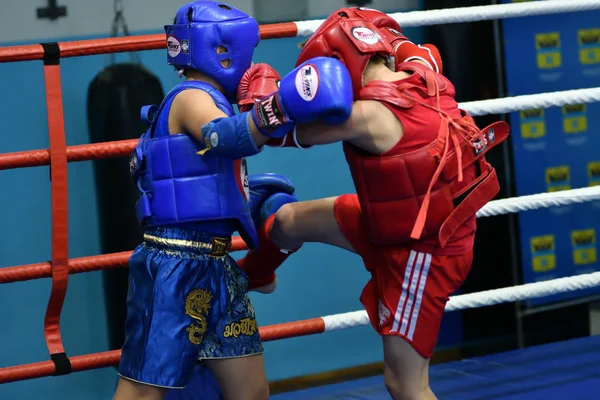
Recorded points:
481,299
119,260
121,148
474,13
303,28
539,200
530,101
330,323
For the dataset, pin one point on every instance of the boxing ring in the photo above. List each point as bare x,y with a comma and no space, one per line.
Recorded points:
472,379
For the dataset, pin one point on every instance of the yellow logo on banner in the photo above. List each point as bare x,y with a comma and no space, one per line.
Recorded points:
574,118
593,169
584,246
533,125
589,46
543,257
548,50
558,178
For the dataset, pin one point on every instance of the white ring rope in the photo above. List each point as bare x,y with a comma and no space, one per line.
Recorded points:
509,294
477,13
530,101
481,299
540,200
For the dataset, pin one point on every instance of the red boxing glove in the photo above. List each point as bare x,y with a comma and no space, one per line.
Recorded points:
405,50
260,80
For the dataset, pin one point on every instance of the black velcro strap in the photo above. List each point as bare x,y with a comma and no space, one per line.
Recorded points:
62,364
51,53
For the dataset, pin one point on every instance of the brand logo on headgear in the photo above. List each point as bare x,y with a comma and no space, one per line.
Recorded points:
365,35
173,46
185,46
307,82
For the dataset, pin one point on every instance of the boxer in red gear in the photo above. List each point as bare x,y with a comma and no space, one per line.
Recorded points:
418,165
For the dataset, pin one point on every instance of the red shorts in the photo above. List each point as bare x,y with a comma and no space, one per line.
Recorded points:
408,289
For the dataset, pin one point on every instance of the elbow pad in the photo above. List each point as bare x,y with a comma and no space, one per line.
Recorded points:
230,137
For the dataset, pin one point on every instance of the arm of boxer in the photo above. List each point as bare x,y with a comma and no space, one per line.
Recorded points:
426,54
319,88
371,127
405,50
191,110
364,113
195,112
261,80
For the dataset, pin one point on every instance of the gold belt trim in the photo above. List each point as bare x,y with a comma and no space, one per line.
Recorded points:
218,248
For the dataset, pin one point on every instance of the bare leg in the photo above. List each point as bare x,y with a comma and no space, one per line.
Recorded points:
308,221
406,373
130,390
283,233
241,378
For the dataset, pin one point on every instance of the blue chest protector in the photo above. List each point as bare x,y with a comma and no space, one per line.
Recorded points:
178,185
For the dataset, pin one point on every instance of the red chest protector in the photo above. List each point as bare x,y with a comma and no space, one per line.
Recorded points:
430,191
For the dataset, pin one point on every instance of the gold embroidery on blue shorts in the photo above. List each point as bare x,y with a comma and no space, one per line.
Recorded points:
197,306
219,247
245,326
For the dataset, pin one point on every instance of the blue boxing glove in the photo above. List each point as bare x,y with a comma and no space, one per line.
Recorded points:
319,88
268,192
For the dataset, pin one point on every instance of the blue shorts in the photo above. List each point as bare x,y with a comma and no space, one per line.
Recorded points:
187,300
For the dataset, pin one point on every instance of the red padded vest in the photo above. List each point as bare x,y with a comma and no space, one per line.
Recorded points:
428,191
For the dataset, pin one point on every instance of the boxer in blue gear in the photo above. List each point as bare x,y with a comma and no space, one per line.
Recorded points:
187,297
268,192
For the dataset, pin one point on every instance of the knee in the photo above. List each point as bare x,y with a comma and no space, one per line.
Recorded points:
258,392
127,390
400,390
394,386
282,233
262,392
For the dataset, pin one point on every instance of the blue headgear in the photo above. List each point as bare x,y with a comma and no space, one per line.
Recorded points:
202,26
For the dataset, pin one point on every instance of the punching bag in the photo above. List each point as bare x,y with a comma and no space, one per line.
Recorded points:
115,97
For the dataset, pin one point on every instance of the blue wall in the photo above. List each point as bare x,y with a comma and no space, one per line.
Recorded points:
319,280
549,142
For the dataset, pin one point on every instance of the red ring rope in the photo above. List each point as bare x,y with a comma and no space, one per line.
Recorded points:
79,48
82,152
83,264
111,358
57,156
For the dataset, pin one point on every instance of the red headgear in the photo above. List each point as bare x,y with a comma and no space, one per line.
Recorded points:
349,37
378,18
